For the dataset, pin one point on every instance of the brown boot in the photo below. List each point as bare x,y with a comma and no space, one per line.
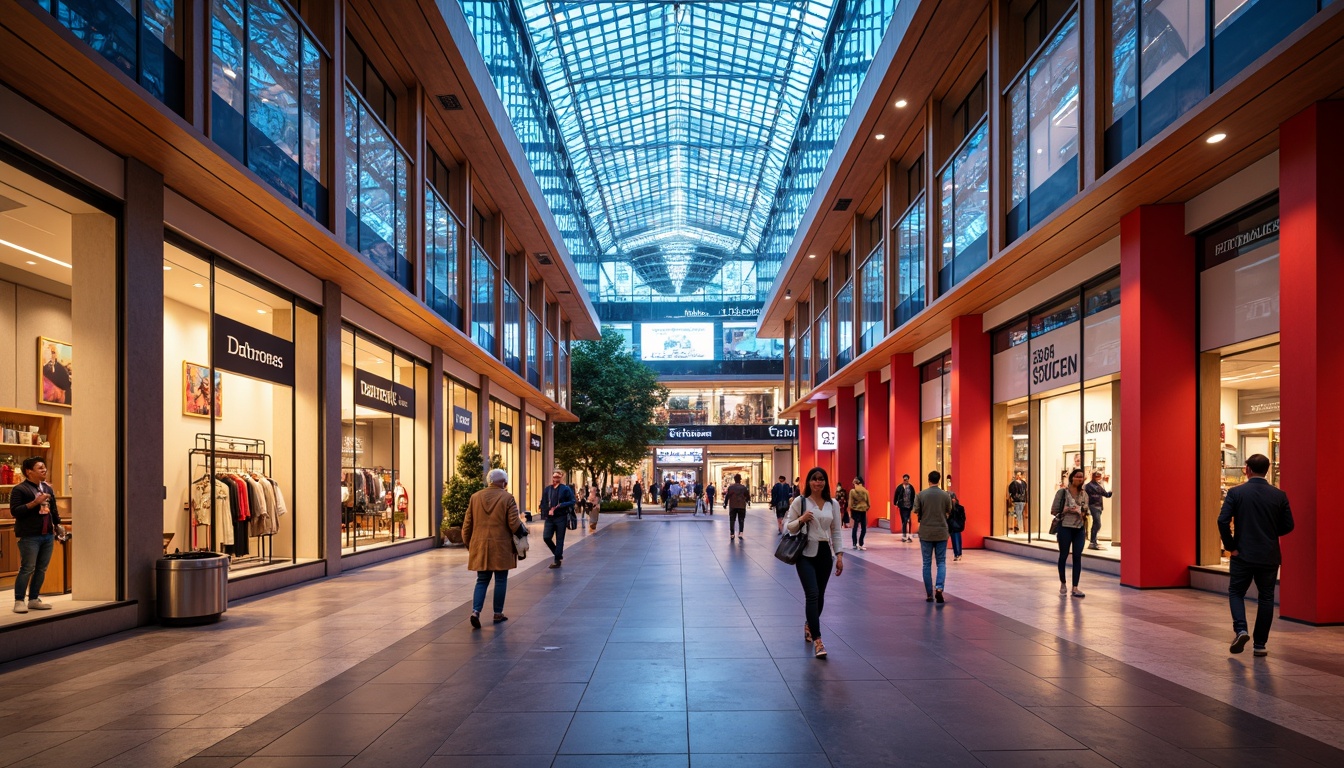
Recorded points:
819,649
807,632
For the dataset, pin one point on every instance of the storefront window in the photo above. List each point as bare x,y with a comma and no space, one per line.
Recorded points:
513,330
910,264
384,444
964,230
459,423
935,415
146,45
59,401
441,254
482,298
506,441
872,291
562,373
823,330
531,494
376,192
1012,434
1043,142
240,416
844,326
805,363
266,97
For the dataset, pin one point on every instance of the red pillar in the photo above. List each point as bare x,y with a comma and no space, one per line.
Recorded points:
903,443
972,394
825,458
847,451
876,466
1311,266
1158,385
807,444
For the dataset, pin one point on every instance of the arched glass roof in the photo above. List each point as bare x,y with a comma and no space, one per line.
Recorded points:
677,117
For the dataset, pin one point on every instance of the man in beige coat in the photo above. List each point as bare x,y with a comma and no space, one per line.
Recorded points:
487,530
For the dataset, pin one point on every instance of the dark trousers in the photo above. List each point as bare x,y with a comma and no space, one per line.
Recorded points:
1264,576
1096,525
639,507
814,572
955,538
1071,538
738,515
860,530
34,557
553,534
905,521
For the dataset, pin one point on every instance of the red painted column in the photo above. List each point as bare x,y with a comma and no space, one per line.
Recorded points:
1158,386
972,394
807,443
903,443
876,466
1311,268
847,451
825,459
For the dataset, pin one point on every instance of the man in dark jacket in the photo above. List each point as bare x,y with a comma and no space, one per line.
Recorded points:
1096,494
1254,516
735,498
32,503
904,501
710,494
638,493
780,496
557,504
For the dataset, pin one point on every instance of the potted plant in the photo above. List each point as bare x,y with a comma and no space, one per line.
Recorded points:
467,479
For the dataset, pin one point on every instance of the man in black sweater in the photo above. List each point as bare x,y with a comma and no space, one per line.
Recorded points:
32,503
1254,516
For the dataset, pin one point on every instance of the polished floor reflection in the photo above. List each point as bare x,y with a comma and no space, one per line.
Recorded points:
660,643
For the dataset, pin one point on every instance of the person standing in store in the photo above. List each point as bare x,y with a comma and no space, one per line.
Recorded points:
1096,492
859,502
710,493
492,519
1017,496
1070,509
735,498
557,504
638,492
904,501
842,497
821,516
698,489
1254,515
795,489
32,504
933,505
780,496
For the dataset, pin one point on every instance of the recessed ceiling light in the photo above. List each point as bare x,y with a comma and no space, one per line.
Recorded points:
1215,138
900,103
261,311
378,360
198,285
31,252
811,255
879,136
31,263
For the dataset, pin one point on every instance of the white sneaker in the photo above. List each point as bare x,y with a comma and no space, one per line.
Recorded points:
20,606
37,605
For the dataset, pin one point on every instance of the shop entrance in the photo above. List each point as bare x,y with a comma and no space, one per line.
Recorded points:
751,467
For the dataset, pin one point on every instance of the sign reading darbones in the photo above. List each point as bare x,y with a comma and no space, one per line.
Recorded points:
247,351
382,395
738,432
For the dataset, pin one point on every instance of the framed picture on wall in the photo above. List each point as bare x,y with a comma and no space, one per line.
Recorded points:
56,367
198,391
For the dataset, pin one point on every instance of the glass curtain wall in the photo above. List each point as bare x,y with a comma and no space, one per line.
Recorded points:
483,278
805,363
1043,141
844,325
240,416
700,407
823,332
384,444
513,330
376,179
872,293
142,39
266,74
442,230
548,366
964,227
910,264
562,374
533,350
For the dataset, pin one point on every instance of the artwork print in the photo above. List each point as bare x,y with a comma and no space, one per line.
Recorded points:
56,370
198,391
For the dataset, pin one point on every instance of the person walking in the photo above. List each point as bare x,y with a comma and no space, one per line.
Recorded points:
710,493
904,501
859,502
32,504
956,523
1017,496
1096,493
594,507
796,492
842,498
638,492
1254,515
736,498
488,528
780,496
932,506
1070,509
557,504
816,511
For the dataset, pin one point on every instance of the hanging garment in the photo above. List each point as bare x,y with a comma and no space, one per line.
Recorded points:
280,508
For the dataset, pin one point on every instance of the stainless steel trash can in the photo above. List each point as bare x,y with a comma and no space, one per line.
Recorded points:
193,587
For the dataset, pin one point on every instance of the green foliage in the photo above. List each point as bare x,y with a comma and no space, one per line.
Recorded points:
616,398
468,478
617,506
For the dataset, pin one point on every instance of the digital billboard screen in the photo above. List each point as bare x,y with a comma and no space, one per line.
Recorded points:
676,341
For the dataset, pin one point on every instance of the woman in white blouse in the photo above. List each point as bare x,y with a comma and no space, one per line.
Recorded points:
820,514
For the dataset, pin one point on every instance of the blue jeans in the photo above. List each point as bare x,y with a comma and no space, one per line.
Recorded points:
34,557
932,550
1264,576
501,587
956,543
1018,506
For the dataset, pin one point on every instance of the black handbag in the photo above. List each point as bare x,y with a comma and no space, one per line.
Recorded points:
791,545
573,522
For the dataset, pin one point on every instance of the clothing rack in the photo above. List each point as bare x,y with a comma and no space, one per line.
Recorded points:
225,453
355,512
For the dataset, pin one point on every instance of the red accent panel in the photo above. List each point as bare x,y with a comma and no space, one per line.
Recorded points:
972,395
847,451
1158,403
807,442
903,443
1311,268
876,470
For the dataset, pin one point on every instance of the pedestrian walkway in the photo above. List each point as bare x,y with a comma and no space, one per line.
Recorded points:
668,645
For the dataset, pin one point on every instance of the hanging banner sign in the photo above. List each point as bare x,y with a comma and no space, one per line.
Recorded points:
382,395
534,442
505,434
461,419
734,432
246,351
828,438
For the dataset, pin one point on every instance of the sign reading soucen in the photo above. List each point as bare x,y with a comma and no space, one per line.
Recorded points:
249,352
828,438
461,419
1054,358
382,395
737,432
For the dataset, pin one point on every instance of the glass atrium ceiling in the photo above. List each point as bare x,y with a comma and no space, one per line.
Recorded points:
678,118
